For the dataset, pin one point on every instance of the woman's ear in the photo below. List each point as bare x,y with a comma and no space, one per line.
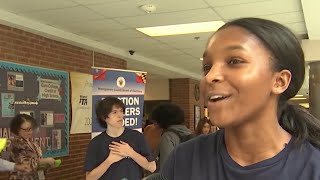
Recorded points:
282,81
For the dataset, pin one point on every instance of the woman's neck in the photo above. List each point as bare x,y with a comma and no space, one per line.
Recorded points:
256,141
114,131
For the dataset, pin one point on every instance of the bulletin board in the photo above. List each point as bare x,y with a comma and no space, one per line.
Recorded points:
41,93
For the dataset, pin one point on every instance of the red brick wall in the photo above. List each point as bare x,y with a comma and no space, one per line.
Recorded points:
27,48
182,93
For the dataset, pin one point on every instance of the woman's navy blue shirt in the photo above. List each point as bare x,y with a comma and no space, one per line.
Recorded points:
206,158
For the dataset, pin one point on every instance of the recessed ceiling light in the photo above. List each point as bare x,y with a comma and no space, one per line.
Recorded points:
182,28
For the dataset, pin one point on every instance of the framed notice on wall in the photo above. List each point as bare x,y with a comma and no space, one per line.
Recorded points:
197,115
41,93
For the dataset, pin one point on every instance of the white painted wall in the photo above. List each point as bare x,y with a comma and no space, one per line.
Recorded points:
157,89
311,49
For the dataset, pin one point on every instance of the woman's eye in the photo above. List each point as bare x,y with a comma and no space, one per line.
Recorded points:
235,61
206,68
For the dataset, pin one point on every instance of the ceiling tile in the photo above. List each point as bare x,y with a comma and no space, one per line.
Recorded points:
135,44
113,21
184,61
190,45
195,52
88,2
298,28
159,48
178,5
258,8
19,6
117,9
65,15
215,3
114,35
290,17
194,67
153,70
181,59
293,20
92,26
161,53
125,34
190,16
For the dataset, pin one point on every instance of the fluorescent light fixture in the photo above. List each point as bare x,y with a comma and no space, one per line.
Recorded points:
182,28
298,98
306,105
298,95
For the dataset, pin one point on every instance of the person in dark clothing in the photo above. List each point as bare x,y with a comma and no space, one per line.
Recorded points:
251,67
119,152
170,118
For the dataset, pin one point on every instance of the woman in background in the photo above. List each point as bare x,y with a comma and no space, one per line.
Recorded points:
24,151
203,127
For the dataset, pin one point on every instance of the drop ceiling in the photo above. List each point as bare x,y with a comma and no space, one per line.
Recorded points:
109,26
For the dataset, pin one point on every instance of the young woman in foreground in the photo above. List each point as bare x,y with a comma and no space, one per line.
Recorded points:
251,68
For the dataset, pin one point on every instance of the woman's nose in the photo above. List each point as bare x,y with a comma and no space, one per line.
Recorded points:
215,74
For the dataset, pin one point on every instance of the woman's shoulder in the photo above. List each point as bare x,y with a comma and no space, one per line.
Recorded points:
315,158
196,150
17,141
313,151
200,143
306,157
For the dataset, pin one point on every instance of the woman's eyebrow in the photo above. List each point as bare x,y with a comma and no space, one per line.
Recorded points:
234,47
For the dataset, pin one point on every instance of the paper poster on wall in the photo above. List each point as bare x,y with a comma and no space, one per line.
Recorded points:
41,93
58,118
7,104
128,86
81,86
46,118
15,81
30,113
49,89
56,139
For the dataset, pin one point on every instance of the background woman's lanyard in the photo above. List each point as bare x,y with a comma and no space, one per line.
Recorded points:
34,148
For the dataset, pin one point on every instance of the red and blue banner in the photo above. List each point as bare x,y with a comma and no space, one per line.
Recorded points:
128,86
